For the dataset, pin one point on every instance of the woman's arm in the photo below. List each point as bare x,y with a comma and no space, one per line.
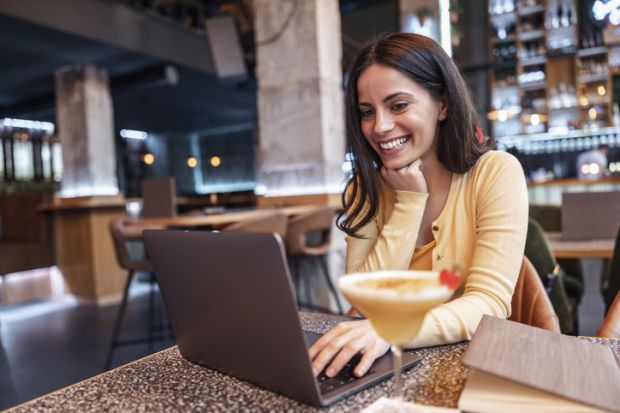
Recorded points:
393,246
501,228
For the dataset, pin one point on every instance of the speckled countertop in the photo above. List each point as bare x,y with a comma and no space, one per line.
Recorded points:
168,383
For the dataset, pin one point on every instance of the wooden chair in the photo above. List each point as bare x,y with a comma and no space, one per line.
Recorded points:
610,328
309,238
272,221
530,303
131,256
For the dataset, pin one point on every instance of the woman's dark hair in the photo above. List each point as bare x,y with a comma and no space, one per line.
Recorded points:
458,142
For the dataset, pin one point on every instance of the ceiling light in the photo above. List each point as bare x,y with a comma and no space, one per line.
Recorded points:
133,134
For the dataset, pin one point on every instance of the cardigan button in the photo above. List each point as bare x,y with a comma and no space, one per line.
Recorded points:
435,228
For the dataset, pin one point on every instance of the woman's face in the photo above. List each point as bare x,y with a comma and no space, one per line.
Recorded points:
398,116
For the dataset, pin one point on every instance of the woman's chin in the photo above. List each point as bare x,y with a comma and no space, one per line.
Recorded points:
394,164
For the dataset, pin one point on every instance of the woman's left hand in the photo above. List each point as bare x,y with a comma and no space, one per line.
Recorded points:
343,342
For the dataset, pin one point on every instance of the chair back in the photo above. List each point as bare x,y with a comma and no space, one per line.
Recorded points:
128,244
310,233
159,198
272,222
610,328
530,303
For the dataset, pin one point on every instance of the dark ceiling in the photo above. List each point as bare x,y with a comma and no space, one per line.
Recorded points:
30,53
37,37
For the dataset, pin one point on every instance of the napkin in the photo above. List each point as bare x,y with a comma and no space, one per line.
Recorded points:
385,405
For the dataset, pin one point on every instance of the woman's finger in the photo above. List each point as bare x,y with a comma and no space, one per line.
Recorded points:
373,352
338,330
346,353
331,349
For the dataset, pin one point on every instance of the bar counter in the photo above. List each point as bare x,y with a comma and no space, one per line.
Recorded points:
166,382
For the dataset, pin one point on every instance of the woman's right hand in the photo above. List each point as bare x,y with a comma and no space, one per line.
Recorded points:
340,344
408,178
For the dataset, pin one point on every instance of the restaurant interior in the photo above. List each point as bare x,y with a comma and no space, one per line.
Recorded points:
119,116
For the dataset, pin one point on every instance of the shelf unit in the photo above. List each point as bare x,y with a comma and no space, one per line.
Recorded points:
541,81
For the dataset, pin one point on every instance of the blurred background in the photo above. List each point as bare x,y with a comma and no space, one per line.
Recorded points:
169,108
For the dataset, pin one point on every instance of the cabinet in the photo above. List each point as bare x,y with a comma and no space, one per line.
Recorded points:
545,76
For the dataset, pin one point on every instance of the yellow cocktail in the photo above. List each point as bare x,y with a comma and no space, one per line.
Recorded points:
395,302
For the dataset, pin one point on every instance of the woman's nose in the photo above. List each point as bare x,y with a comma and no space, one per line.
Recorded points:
383,123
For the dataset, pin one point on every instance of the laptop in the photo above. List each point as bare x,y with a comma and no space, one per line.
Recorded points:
231,305
590,215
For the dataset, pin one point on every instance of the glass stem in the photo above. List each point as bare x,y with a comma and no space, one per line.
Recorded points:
397,356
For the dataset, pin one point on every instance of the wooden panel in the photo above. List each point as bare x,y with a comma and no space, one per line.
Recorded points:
109,277
333,199
85,254
73,251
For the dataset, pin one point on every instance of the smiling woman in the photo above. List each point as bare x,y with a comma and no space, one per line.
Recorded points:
426,193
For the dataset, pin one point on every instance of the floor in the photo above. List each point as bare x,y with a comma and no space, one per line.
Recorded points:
46,346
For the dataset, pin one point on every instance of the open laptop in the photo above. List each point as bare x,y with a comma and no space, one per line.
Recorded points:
590,215
232,308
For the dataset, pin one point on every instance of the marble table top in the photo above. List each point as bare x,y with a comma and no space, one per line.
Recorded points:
168,383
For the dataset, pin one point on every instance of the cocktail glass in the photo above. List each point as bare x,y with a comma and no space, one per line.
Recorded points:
395,302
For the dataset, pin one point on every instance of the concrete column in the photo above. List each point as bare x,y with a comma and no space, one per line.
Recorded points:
300,100
86,130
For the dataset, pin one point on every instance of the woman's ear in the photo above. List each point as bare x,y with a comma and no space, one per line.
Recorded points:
443,108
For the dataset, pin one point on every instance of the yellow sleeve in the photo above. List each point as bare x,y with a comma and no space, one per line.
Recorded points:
392,247
501,227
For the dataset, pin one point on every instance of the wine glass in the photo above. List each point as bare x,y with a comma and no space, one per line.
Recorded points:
396,302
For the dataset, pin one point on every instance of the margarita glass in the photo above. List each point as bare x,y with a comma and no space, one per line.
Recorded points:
396,302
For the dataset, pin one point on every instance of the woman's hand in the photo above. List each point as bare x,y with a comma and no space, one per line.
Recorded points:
343,342
408,178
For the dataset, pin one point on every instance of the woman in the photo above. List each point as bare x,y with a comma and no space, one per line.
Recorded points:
427,192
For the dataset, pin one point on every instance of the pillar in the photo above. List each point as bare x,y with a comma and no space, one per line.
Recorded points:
86,129
300,99
88,198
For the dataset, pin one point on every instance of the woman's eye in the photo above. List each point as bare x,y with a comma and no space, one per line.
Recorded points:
366,113
399,106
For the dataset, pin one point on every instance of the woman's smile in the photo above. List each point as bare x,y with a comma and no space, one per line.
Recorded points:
393,145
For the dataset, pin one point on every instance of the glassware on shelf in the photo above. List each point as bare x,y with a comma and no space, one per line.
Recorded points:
501,6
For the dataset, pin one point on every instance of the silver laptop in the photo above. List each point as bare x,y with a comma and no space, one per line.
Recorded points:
232,308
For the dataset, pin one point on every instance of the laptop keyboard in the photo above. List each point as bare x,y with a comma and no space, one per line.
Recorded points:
345,376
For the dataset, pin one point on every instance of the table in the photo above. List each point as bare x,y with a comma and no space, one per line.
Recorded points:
219,220
167,382
561,248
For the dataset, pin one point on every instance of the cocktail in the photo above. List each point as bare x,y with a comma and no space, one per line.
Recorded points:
396,302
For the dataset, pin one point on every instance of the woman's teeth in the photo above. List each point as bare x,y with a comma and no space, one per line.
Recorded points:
393,144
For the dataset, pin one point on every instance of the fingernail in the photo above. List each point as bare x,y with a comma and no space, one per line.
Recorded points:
330,372
359,372
314,371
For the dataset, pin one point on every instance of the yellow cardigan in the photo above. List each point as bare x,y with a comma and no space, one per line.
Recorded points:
482,227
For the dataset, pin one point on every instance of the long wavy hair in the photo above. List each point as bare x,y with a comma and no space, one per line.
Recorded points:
459,138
